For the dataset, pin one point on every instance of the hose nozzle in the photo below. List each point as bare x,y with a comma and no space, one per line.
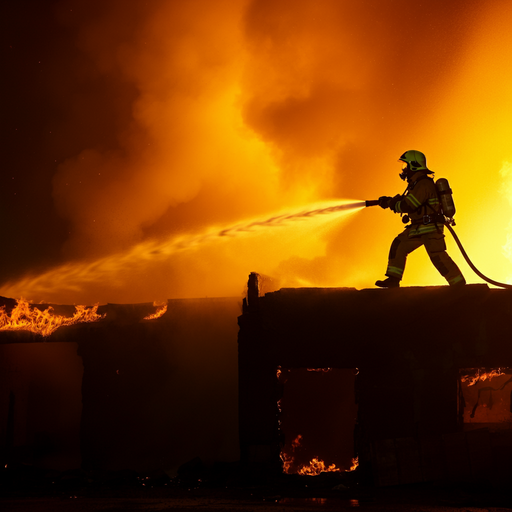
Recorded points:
372,202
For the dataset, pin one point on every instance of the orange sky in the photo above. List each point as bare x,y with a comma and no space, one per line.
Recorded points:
236,110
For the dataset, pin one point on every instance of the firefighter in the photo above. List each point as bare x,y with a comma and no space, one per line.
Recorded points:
421,206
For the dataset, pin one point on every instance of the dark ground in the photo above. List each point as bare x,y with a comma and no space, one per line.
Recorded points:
225,488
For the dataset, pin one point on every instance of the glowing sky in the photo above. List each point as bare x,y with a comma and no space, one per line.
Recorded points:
129,124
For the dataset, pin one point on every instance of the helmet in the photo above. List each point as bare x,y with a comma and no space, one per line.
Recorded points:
416,160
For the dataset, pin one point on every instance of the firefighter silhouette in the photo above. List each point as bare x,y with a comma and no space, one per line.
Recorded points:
422,208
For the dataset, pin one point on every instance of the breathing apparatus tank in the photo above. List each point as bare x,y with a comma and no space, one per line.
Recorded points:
445,195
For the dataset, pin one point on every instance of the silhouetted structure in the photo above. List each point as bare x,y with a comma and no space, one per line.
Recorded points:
413,423
157,393
140,394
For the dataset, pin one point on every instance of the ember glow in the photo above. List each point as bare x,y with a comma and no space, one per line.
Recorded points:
44,322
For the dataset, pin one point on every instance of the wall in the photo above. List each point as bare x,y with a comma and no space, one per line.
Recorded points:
409,345
155,393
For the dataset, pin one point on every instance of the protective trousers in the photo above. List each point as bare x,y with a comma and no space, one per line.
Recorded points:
435,246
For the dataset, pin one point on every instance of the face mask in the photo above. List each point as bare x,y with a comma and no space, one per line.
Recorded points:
405,171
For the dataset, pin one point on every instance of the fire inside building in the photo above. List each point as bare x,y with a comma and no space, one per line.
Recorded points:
322,379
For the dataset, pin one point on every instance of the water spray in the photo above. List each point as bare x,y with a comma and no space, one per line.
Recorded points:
448,211
73,277
279,220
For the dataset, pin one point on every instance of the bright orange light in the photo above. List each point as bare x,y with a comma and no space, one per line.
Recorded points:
261,107
26,318
287,462
288,459
474,105
253,235
317,466
158,313
355,464
481,375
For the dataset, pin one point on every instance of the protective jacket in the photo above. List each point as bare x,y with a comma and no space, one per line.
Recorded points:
421,202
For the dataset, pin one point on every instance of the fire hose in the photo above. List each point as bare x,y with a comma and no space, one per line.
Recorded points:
448,223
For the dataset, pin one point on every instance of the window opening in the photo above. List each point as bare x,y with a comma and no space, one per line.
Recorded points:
485,397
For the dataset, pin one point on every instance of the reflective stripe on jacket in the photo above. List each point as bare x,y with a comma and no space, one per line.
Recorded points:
420,199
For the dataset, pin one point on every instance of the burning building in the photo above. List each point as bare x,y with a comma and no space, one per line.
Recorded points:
126,391
148,137
424,381
411,384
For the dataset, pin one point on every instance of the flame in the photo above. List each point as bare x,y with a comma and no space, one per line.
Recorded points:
287,462
288,459
25,318
355,464
296,442
317,466
158,313
481,375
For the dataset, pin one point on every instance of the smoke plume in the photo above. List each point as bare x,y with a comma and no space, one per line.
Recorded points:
183,118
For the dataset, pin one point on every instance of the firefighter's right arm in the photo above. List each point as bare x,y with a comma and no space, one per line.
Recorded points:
394,203
384,201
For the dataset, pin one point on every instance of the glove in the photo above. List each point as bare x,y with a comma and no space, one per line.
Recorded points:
384,202
392,202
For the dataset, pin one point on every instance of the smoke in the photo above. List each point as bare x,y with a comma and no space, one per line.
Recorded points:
219,112
181,70
342,81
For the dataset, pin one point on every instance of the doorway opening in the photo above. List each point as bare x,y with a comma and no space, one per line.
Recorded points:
317,417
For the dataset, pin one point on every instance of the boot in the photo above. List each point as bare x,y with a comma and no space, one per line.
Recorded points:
390,282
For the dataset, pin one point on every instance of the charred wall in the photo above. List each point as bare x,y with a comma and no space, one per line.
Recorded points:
154,394
40,404
408,344
157,393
